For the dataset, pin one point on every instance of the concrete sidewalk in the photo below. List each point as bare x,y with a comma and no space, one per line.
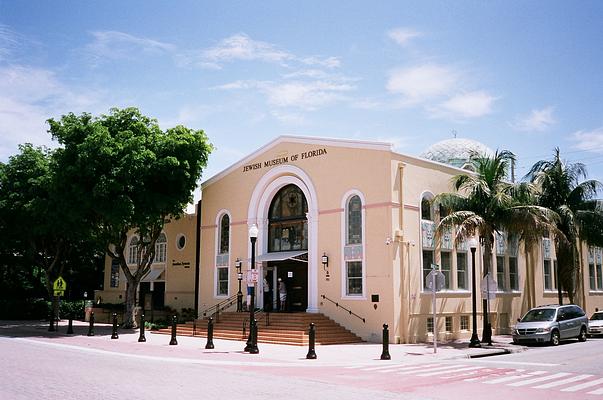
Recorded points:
228,351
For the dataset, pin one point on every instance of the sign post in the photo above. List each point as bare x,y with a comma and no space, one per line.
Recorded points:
436,281
58,288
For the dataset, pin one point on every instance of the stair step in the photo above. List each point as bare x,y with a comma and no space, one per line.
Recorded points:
284,328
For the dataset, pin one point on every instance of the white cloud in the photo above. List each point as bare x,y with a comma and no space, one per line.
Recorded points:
305,95
537,121
30,96
403,36
467,105
242,47
329,62
290,118
589,140
118,45
420,83
8,41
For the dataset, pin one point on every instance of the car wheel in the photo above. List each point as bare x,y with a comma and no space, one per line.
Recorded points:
582,336
555,338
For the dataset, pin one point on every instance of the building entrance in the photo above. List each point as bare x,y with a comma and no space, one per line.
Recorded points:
295,276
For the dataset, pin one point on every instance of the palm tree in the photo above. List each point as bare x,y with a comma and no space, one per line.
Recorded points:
484,203
580,214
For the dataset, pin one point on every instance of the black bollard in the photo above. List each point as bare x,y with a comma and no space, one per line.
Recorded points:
385,354
114,332
141,338
254,338
311,343
173,342
210,334
91,326
70,326
51,326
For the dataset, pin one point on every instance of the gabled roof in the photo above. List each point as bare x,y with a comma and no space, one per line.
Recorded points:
332,142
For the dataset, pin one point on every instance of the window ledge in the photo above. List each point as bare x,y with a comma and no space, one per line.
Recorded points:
511,293
359,297
447,293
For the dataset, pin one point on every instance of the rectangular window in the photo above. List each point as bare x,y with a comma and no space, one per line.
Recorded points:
500,272
445,267
222,283
354,278
114,273
513,274
429,325
464,322
555,277
427,261
461,270
591,276
548,284
448,324
599,278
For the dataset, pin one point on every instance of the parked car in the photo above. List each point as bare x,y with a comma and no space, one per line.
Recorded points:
595,324
550,324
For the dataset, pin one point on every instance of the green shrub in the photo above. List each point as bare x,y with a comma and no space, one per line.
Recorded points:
74,309
156,325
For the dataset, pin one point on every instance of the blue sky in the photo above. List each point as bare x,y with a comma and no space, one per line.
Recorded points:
522,76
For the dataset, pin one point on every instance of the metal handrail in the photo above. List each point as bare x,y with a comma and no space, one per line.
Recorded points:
221,306
345,309
259,315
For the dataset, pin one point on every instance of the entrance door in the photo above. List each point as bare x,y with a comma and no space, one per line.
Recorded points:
295,276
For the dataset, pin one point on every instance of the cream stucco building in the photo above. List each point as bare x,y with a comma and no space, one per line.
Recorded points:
348,222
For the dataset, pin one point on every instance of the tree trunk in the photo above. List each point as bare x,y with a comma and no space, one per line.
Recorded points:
130,304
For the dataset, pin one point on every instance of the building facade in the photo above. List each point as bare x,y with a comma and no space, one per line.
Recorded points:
349,223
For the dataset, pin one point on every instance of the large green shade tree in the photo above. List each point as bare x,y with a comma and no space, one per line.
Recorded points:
132,176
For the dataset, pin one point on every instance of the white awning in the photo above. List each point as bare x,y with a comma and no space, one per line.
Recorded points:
152,275
283,255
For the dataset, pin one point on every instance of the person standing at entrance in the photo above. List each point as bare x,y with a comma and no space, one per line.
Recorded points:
282,294
267,295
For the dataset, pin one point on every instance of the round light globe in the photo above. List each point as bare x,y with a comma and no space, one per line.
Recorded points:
253,231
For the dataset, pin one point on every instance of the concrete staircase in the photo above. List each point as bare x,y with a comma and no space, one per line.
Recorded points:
279,328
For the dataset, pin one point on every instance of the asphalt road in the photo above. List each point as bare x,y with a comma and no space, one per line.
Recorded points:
40,370
33,368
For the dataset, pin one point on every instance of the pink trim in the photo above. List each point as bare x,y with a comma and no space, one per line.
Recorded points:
333,211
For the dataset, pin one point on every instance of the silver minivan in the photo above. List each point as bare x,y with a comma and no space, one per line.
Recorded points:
550,324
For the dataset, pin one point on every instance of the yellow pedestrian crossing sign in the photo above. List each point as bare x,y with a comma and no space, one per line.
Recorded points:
59,286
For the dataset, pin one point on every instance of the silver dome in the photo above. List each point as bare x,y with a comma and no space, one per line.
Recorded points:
456,152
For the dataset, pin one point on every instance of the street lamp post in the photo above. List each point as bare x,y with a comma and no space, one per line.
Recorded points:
253,348
240,278
474,342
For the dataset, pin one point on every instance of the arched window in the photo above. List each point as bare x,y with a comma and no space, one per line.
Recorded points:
222,256
354,220
353,251
224,235
426,209
160,248
133,250
288,224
